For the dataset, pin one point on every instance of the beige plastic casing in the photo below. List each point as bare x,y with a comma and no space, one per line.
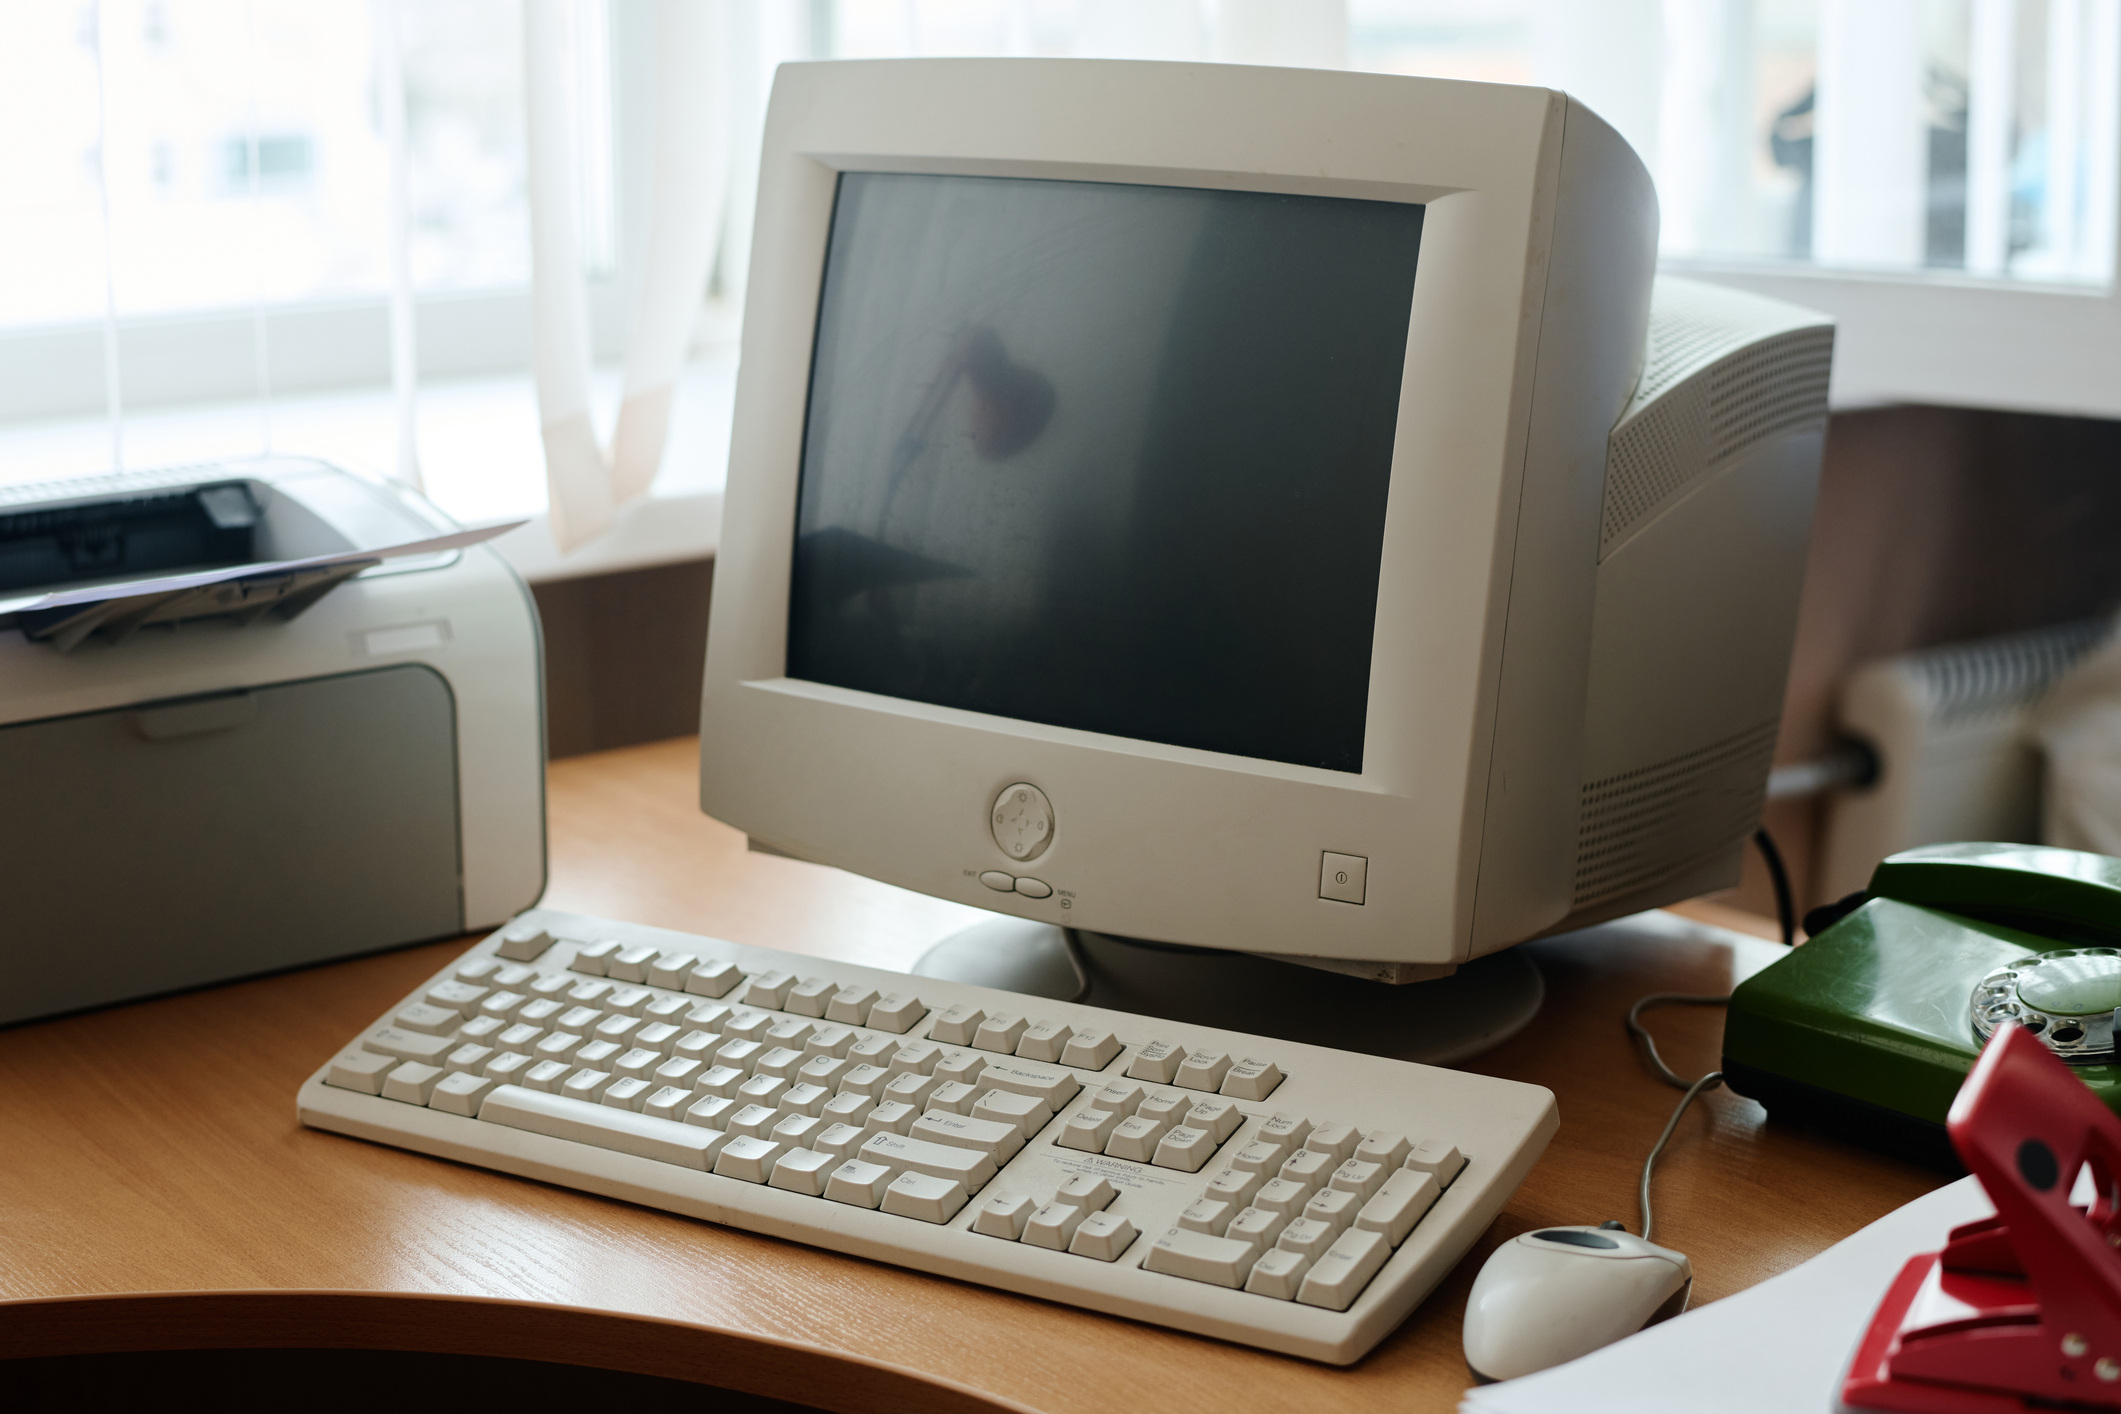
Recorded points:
1531,300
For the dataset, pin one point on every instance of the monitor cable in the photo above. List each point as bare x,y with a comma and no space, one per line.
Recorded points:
1665,1073
1785,901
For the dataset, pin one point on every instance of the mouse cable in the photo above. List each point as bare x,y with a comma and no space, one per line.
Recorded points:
1666,1074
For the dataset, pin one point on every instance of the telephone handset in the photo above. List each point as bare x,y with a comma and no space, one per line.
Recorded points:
1869,1029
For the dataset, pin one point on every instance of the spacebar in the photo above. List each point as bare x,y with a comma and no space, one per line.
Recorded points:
561,1117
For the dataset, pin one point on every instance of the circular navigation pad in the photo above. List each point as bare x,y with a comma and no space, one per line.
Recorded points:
1022,820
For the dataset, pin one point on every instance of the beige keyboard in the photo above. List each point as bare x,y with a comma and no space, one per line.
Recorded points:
1291,1197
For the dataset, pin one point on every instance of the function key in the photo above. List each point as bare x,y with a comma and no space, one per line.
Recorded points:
850,1005
522,942
1251,1079
1000,1032
630,964
594,958
896,1012
769,989
713,978
810,996
1204,1070
1090,1050
1045,1041
670,968
957,1026
1157,1062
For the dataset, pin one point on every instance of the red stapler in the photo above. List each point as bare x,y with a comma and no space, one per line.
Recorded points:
2021,1311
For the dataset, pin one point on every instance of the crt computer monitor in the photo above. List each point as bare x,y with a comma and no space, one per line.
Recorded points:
1247,508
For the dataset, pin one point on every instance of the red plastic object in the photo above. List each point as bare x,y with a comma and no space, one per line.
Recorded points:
2023,1310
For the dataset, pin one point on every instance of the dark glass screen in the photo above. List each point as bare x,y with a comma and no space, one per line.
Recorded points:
1102,456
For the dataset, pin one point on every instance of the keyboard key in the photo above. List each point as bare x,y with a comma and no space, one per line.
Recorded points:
721,1080
956,1098
539,1011
1157,1063
1251,1079
592,958
713,979
848,1107
1406,1196
522,942
680,1071
1136,1139
912,1089
1000,1032
669,969
1087,1191
867,1081
1203,1070
1121,1097
754,1117
515,977
850,1005
1280,1195
738,1054
1355,1176
891,1117
997,1139
1384,1147
1435,1156
1338,1277
1236,1186
1103,1237
769,989
459,997
361,1070
1044,1041
709,1017
1185,1148
601,1054
471,1058
552,985
781,1062
1286,1132
1026,1112
960,1067
810,996
825,1072
1207,1215
669,1102
431,1020
482,1029
589,993
797,1130
1054,1084
1309,1167
1339,1140
788,1033
1258,1227
924,1196
626,1093
1167,1107
1004,1216
639,1064
957,1025
1219,1117
897,1013
747,1024
1278,1274
916,1058
873,1050
749,1159
407,1045
803,1098
546,1076
475,969
1308,1238
621,1131
803,1171
587,1085
1219,1261
1335,1207
1088,1130
519,1037
859,1184
899,1153
841,1141
630,964
657,1036
830,1039
616,1028
712,1112
1090,1050
1053,1226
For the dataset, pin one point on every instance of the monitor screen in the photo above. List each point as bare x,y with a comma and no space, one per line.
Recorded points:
1104,456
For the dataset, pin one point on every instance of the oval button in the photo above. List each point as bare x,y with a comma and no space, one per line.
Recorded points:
996,880
1034,888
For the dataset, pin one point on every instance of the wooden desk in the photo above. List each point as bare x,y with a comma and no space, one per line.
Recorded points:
156,1192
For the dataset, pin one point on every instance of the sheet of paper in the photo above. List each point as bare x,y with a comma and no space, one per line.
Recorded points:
1777,1348
137,588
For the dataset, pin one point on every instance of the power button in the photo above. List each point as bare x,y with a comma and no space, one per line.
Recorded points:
1342,876
1022,821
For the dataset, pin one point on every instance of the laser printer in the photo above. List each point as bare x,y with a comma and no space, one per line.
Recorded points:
275,769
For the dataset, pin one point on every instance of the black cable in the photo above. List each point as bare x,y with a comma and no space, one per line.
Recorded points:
1785,902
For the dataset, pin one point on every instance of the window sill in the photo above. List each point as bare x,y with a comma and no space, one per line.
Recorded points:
480,455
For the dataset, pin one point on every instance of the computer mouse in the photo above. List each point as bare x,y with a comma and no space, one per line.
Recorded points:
1555,1293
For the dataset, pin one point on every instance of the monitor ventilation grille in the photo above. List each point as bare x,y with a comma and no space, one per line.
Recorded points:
1751,395
1654,821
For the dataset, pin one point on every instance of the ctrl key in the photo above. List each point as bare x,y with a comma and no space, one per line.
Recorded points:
924,1196
360,1070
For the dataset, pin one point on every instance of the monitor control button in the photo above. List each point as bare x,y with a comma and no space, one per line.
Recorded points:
1342,876
996,880
1022,821
1034,888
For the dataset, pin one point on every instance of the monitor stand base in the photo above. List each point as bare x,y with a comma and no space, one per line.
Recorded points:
1453,1018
